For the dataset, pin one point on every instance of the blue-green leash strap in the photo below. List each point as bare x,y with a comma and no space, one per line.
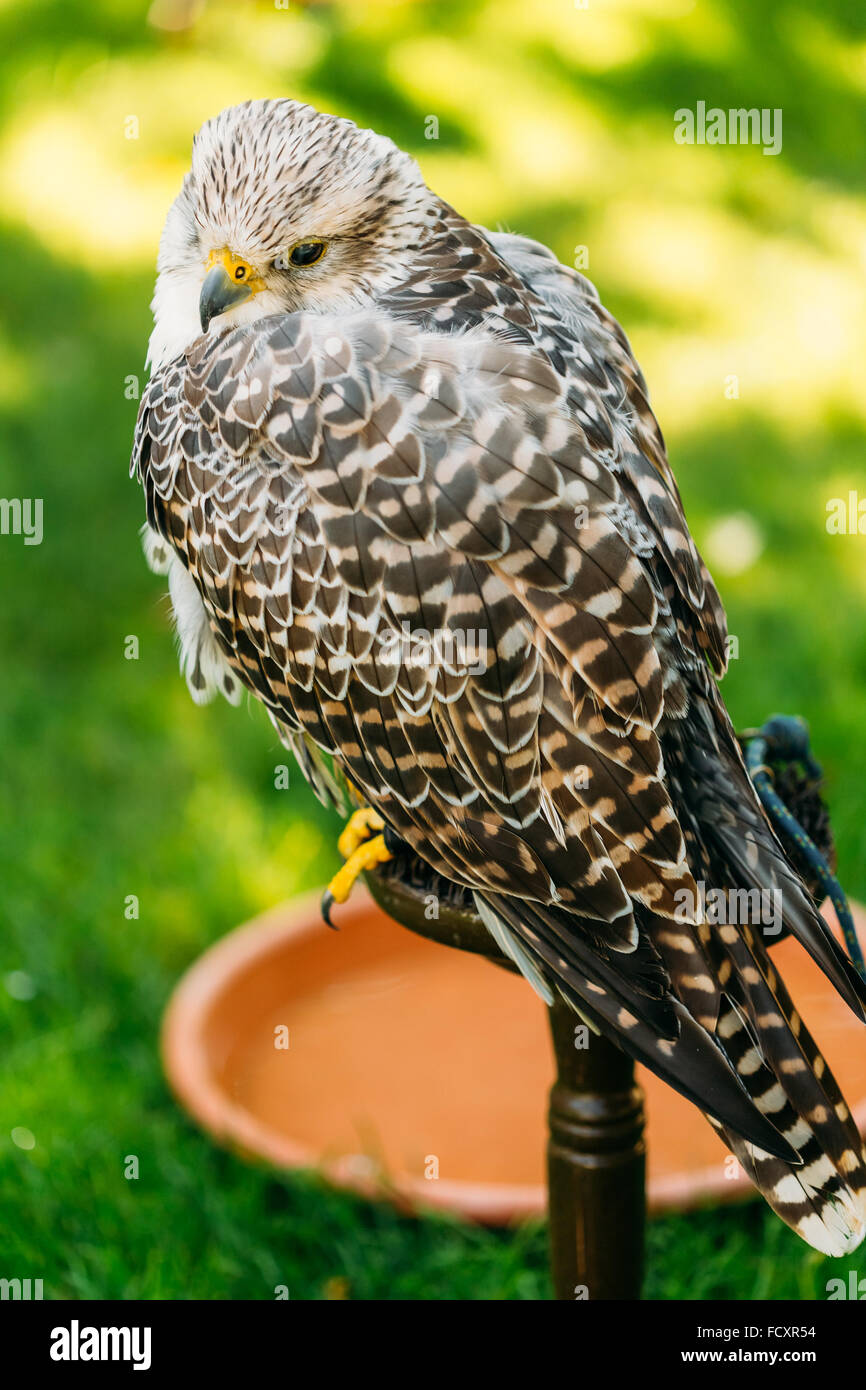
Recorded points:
786,739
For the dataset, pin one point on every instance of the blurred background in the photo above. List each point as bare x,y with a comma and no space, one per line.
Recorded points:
739,278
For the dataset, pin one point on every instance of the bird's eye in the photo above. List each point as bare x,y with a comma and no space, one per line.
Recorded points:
240,272
302,254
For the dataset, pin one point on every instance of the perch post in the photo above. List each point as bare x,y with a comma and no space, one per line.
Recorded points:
595,1154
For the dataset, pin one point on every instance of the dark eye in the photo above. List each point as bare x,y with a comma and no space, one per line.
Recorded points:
240,272
306,253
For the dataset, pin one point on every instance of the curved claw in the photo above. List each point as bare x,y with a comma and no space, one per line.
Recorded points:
366,856
327,903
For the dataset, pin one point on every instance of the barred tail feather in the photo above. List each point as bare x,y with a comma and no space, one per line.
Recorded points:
726,1035
672,1044
724,974
823,1198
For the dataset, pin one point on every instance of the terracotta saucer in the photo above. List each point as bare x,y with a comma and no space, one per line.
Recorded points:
402,1068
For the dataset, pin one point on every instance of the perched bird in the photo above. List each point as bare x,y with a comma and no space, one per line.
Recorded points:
405,482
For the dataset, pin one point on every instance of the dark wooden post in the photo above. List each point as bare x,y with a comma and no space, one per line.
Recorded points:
595,1154
596,1166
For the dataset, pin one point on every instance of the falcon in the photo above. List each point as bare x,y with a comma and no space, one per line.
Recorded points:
404,480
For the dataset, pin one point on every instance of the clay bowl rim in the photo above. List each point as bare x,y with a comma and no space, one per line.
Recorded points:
190,1074
187,1065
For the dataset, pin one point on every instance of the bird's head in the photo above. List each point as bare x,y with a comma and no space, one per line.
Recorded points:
284,208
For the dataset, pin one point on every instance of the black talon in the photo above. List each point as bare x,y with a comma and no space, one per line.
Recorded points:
328,901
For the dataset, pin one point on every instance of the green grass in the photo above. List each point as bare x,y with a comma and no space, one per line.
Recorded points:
116,785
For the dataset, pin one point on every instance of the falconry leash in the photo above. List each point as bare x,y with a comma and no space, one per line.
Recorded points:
781,742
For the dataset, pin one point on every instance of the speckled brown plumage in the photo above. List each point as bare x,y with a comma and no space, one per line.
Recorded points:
432,526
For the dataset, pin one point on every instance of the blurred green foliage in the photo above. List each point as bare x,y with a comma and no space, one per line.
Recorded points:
722,263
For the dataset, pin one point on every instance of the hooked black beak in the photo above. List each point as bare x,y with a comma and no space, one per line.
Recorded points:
218,293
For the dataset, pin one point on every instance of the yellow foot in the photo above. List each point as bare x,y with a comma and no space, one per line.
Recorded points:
366,856
359,828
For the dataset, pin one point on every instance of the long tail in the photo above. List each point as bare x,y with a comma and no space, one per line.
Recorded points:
748,1008
724,974
823,1198
726,1036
